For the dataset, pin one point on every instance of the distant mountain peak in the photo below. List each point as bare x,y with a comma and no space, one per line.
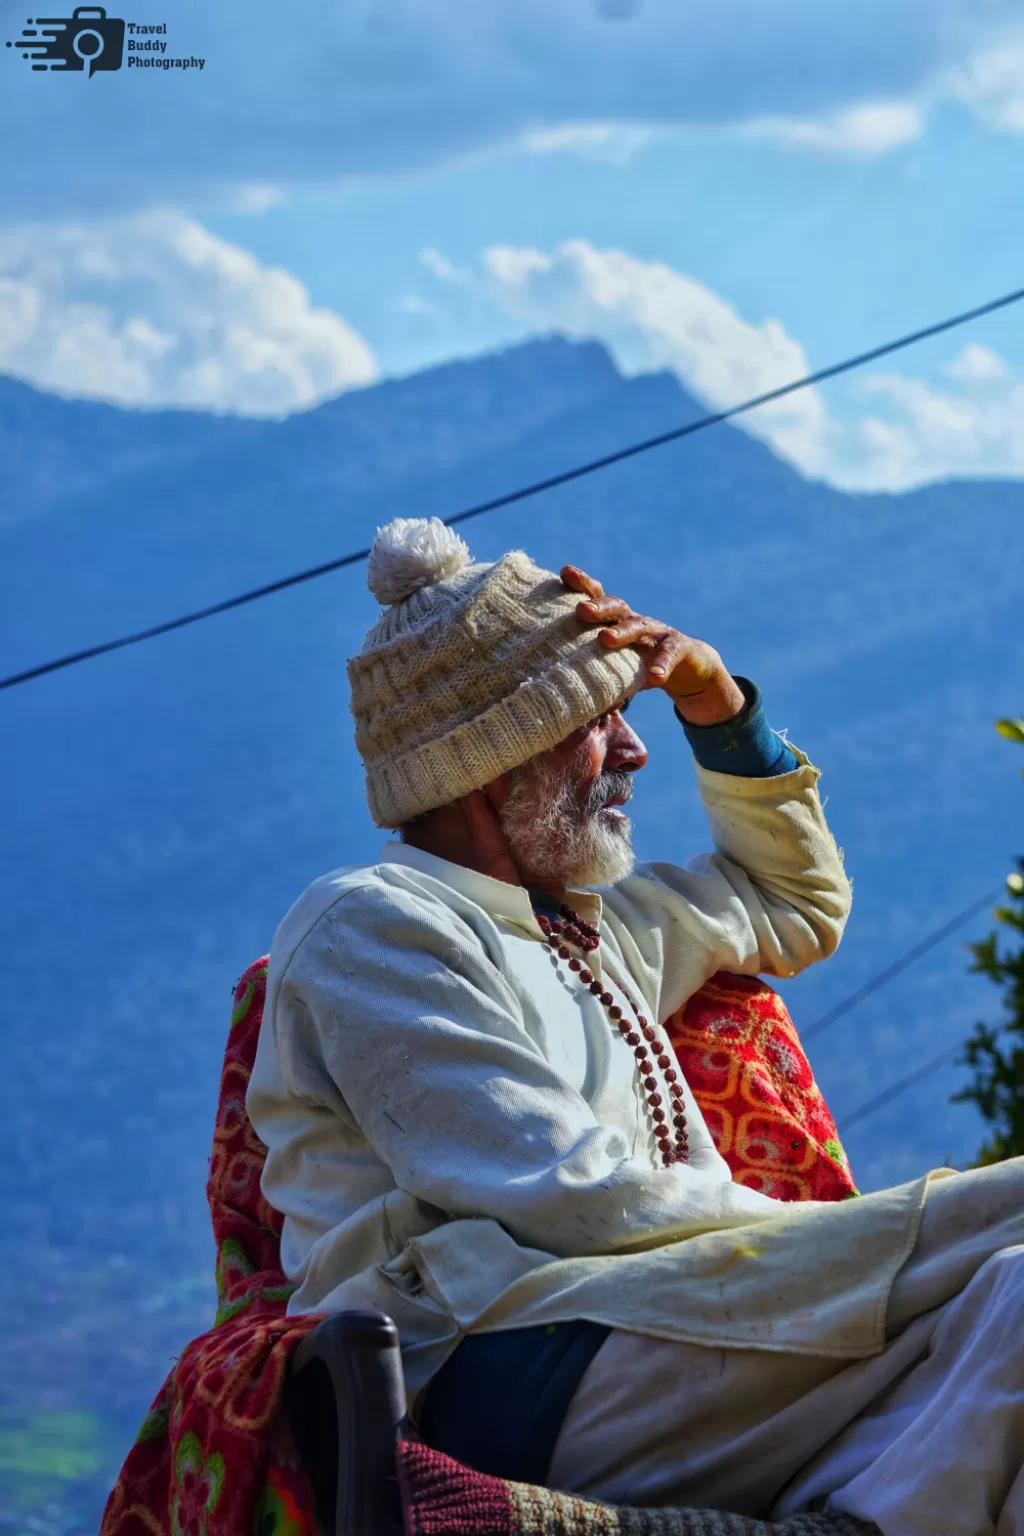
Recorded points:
53,447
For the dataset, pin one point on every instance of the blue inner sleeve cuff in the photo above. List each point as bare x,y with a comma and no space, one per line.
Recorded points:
745,746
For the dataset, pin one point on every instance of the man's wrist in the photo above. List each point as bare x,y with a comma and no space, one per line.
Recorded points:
721,701
744,746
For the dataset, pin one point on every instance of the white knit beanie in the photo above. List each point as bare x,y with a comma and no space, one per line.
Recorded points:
470,671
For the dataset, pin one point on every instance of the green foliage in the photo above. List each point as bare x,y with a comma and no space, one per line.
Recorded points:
1013,730
996,1055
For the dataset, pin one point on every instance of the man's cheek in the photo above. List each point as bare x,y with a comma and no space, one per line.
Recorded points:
590,794
591,758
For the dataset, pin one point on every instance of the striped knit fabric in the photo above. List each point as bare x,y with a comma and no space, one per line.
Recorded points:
440,1497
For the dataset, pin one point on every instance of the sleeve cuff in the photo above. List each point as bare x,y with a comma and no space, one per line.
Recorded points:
745,746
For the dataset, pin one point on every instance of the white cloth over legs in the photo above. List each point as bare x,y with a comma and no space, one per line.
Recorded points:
943,1450
925,1439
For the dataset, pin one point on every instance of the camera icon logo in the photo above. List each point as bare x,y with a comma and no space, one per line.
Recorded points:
88,39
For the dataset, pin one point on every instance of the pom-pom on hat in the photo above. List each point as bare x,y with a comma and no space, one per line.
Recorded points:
410,553
471,669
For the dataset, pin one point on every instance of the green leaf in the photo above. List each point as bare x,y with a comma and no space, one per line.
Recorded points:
1012,730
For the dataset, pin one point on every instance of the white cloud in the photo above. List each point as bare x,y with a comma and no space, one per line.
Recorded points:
871,129
861,131
155,310
890,432
256,197
983,72
613,143
377,86
975,363
992,84
651,316
987,80
414,304
931,433
513,267
441,267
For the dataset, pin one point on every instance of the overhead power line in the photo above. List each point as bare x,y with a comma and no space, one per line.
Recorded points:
879,981
894,1089
550,482
935,1062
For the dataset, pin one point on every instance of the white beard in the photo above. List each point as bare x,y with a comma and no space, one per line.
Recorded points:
552,838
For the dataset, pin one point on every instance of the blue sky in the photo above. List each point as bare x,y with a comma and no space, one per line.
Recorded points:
737,194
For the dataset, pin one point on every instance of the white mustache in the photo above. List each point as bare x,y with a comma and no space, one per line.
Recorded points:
613,784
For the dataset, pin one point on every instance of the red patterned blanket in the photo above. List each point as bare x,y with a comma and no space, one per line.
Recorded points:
213,1456
741,1055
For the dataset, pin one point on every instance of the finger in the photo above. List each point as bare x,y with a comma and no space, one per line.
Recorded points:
633,630
670,650
572,577
603,610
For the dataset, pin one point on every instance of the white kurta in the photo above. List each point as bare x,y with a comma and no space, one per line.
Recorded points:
455,1135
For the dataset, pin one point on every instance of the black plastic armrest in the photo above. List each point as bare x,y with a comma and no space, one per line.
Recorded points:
345,1401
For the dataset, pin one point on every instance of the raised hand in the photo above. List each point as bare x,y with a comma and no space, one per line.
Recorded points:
690,671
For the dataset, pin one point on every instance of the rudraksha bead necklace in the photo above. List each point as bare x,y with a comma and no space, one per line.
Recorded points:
642,1037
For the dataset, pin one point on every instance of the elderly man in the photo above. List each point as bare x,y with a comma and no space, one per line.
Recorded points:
474,1121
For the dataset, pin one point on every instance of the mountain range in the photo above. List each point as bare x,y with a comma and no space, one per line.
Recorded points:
165,804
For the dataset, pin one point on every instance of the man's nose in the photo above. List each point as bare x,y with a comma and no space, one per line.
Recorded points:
625,751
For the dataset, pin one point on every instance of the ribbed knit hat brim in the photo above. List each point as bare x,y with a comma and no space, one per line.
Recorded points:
470,677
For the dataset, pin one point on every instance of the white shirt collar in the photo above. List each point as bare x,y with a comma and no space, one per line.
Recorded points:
497,897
